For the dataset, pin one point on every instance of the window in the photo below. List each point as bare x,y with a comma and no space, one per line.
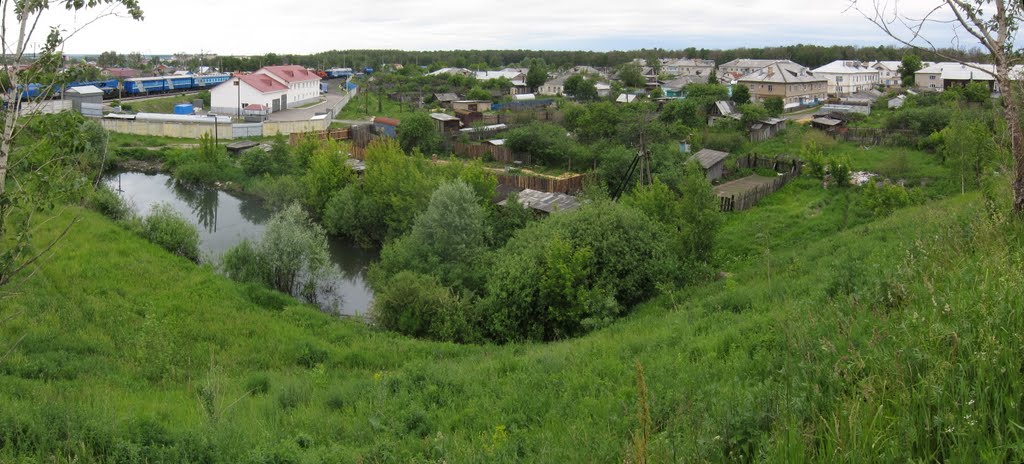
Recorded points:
932,78
769,87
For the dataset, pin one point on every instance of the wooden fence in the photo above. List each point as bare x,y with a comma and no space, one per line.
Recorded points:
518,118
776,164
748,199
569,185
497,153
335,134
790,167
875,136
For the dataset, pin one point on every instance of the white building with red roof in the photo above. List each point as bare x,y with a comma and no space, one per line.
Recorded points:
275,87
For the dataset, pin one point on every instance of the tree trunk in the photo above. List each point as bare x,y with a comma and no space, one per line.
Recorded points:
10,118
1012,110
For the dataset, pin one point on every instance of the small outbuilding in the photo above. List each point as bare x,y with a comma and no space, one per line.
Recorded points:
91,95
827,124
471,105
446,123
712,162
387,127
545,202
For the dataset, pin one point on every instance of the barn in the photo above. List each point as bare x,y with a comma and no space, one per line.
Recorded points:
712,161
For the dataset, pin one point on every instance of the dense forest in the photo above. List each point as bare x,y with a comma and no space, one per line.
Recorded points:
807,55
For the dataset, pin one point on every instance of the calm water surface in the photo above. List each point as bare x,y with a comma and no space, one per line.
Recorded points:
224,219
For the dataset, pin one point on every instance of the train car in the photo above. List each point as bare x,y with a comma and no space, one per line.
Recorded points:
146,85
180,82
335,73
206,81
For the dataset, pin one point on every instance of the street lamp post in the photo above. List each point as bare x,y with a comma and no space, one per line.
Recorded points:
238,85
216,129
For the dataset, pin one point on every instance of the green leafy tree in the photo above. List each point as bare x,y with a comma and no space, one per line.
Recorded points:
968,148
713,77
417,132
753,113
910,64
740,94
774,105
536,76
449,241
574,271
546,143
699,216
29,193
631,76
477,93
580,88
327,174
291,257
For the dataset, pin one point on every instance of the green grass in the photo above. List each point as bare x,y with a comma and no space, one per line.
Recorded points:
365,105
891,340
160,105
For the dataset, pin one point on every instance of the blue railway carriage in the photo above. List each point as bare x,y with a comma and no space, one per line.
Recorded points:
152,85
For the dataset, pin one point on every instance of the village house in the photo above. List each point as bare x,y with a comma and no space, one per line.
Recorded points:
674,88
303,84
787,80
275,87
941,76
888,73
738,68
688,67
846,77
250,89
518,79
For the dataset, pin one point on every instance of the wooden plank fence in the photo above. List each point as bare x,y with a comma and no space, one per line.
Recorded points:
335,134
568,185
790,168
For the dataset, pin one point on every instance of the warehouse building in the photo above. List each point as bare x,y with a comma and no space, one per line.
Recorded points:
275,87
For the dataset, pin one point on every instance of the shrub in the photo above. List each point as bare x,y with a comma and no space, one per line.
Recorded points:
108,203
166,227
291,257
724,141
418,305
258,384
840,171
278,192
575,271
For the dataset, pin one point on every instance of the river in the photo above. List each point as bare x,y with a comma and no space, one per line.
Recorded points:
224,219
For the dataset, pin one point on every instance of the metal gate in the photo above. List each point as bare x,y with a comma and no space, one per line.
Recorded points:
284,101
246,130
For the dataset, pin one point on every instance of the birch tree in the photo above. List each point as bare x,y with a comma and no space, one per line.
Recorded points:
26,81
993,24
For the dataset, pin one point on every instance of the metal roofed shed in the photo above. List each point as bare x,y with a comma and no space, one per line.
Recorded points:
545,202
89,95
712,161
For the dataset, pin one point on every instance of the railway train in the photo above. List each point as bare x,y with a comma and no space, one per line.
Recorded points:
133,87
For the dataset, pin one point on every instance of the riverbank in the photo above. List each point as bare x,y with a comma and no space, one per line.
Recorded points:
159,360
223,218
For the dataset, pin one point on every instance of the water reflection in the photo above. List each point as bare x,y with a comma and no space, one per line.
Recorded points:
202,200
224,220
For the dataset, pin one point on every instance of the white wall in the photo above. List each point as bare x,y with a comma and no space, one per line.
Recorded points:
224,98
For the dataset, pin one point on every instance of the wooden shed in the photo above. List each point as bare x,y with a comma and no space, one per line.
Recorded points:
445,123
712,161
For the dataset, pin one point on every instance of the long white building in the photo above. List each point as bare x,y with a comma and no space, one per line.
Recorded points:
276,88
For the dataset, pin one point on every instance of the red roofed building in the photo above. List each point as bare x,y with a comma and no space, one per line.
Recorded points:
240,91
303,84
275,87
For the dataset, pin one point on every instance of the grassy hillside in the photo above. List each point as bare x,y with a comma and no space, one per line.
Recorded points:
829,340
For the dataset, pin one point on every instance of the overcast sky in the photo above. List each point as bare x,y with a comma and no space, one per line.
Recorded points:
252,27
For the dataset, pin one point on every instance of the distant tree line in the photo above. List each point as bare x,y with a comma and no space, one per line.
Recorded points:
807,55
